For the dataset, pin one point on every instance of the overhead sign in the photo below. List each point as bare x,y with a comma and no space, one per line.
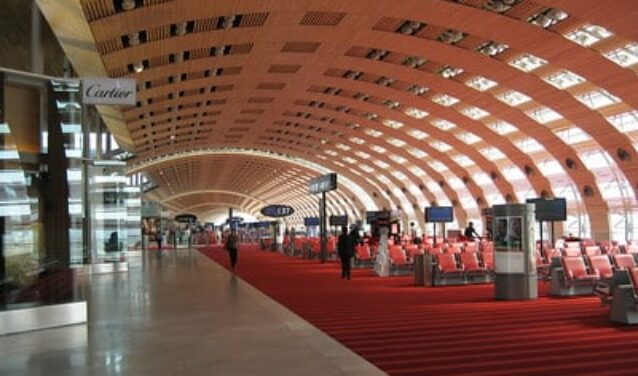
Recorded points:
338,220
186,218
234,219
323,183
277,211
109,91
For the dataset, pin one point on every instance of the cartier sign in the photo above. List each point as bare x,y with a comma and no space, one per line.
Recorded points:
109,91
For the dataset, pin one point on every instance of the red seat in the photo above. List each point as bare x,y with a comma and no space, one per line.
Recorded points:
363,252
572,252
633,276
447,263
488,260
397,256
453,249
592,250
624,261
601,266
632,248
575,270
413,250
470,262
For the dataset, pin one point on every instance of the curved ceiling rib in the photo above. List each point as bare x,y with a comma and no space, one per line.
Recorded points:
468,103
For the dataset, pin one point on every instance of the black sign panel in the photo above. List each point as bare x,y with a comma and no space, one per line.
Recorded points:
338,220
186,218
439,214
234,219
311,221
378,215
549,209
277,211
323,183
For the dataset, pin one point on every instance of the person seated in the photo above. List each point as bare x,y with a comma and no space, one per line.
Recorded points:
113,244
470,232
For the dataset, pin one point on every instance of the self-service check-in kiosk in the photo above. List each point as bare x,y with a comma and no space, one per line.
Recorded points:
514,258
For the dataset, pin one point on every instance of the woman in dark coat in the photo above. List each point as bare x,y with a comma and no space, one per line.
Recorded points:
343,247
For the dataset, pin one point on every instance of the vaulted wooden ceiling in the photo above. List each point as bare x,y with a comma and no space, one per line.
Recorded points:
468,103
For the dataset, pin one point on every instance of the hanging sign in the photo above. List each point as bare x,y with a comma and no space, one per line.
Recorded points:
277,211
98,90
186,218
323,183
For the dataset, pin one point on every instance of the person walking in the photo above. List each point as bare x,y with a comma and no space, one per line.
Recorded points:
470,232
343,248
231,245
158,238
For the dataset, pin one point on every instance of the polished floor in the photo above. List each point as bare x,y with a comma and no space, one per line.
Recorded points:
179,313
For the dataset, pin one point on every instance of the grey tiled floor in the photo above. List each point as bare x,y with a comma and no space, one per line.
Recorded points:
179,314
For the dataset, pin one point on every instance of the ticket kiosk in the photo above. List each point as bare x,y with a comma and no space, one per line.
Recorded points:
514,258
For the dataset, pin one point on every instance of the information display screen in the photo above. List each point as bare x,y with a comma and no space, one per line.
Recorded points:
439,214
338,220
549,209
311,221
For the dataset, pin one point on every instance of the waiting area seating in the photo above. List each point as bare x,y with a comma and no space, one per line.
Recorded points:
624,307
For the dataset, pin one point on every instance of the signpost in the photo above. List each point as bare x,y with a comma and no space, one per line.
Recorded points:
323,184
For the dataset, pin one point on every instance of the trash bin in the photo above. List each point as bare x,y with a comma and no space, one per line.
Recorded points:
419,270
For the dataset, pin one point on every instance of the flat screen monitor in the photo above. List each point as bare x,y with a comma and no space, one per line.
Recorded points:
439,214
311,221
550,209
338,220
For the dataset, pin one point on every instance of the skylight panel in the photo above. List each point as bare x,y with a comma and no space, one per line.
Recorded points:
417,153
343,147
550,167
492,153
480,83
449,71
373,132
362,155
339,163
625,56
445,100
443,124
396,142
474,112
394,124
398,159
513,173
573,135
463,160
349,160
469,138
419,135
440,146
564,79
366,168
331,152
625,122
381,164
513,98
502,127
437,166
529,145
527,62
492,48
399,175
416,171
597,99
378,149
416,113
544,115
357,140
456,183
588,35
481,178
384,179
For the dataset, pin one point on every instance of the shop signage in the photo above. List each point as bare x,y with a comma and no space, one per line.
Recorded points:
323,183
186,218
277,211
97,90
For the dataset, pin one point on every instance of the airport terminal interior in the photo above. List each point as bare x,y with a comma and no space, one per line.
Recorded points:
318,187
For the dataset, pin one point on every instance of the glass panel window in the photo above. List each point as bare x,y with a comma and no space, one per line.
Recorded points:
481,178
624,56
527,62
437,166
343,147
492,153
441,146
373,132
463,160
573,135
349,160
625,122
550,167
469,138
595,159
544,115
384,179
529,145
597,99
417,171
357,140
366,168
381,164
398,159
513,173
396,142
417,153
362,154
474,112
494,199
416,113
443,124
456,183
502,127
378,149
331,152
564,79
513,98
445,100
399,175
481,83
419,135
587,35
392,123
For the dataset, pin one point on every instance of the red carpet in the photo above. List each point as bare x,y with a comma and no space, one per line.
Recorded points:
408,330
